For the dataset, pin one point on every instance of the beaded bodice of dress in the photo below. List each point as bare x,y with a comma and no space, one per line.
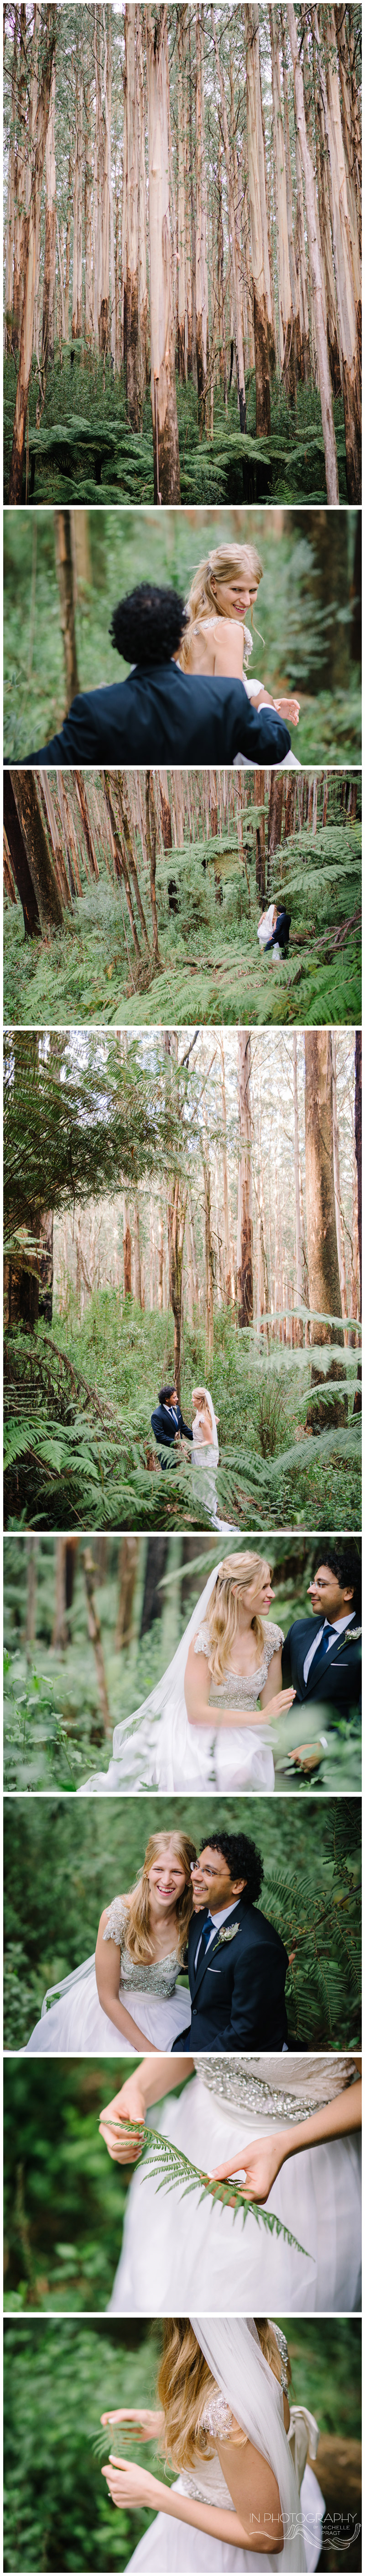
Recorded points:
240,1690
287,2088
153,1976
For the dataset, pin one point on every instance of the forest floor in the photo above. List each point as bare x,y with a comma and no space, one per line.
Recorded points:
86,451
79,1446
212,965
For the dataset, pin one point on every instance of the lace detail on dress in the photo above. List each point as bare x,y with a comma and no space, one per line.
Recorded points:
276,2087
216,2416
149,1976
240,1690
281,2341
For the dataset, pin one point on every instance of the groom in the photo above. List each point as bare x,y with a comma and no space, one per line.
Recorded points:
237,1962
161,713
167,1421
322,1654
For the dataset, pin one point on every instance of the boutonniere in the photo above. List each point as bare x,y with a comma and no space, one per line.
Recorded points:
227,1935
350,1635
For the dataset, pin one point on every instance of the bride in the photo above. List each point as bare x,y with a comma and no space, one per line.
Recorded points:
289,2127
225,2424
205,1454
124,1998
216,643
228,1662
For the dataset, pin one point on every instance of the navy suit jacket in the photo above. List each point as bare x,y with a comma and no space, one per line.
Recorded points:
336,1680
163,714
238,1988
165,1427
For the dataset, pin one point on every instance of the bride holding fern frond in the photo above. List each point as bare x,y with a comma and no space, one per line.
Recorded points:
249,2191
246,2487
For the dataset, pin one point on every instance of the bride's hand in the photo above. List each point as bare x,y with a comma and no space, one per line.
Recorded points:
123,2143
260,2162
146,2420
128,2483
276,1707
289,709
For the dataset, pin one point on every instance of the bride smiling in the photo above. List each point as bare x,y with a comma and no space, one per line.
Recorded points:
217,644
124,1997
206,1724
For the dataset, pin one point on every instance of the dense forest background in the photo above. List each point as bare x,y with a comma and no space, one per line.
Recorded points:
89,1631
182,252
152,1225
59,2378
64,571
129,894
64,1862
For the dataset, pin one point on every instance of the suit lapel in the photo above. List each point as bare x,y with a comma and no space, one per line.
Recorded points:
329,1655
303,1650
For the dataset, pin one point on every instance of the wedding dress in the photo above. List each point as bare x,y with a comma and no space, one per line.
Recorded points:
77,2025
158,1748
243,2387
173,2245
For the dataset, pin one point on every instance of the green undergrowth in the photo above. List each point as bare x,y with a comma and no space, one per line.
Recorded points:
211,961
79,1450
85,449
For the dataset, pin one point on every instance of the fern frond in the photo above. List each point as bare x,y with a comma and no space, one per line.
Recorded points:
173,2171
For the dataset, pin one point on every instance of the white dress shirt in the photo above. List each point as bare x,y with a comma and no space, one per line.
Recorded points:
217,1919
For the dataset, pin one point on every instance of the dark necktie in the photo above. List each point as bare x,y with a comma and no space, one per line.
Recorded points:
321,1650
204,1937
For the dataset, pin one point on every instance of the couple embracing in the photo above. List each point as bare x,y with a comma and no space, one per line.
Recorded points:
208,1723
189,699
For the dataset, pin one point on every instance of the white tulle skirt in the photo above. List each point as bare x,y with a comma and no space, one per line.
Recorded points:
179,2251
176,1757
171,2546
77,2026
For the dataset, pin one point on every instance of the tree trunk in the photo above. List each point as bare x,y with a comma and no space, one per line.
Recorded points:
275,812
127,1576
20,862
49,31
49,273
65,1563
66,885
151,848
176,1214
48,900
201,261
349,314
32,1548
131,339
76,324
166,462
153,1598
9,253
209,1256
127,1250
93,1621
137,1256
358,1134
81,797
233,239
182,332
45,1266
66,586
244,1215
129,852
254,152
298,1231
286,316
316,267
324,1278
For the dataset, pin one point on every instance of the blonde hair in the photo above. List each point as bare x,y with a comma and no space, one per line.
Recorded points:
138,1939
235,1575
184,2384
202,601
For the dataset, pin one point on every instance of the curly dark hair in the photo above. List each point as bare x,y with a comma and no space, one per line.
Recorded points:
243,1861
148,624
345,1563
